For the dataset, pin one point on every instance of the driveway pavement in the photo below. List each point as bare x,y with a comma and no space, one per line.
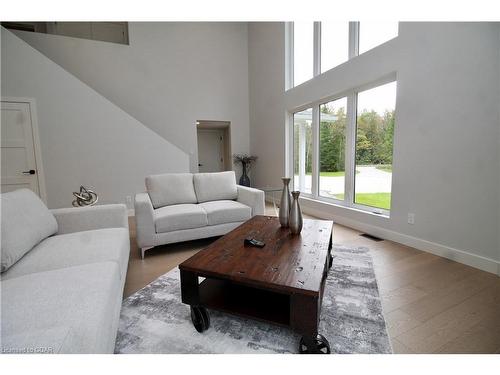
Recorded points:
368,180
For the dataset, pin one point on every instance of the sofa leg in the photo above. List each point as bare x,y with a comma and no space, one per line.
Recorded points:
144,249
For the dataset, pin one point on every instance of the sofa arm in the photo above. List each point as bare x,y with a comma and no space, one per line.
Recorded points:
253,198
78,219
144,220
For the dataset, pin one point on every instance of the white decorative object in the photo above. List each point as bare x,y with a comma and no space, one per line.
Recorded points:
85,197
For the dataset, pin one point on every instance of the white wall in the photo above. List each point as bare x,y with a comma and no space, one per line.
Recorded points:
267,116
85,139
446,155
170,75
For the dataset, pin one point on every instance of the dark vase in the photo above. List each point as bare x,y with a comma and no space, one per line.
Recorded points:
244,179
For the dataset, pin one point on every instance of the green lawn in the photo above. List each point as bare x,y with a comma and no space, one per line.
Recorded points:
332,174
386,168
380,200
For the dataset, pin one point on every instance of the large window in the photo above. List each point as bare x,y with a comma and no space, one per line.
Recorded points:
303,52
372,34
332,126
302,151
374,142
337,43
342,149
334,44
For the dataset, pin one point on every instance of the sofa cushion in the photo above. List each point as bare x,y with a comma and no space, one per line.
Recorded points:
178,217
81,300
74,249
215,186
222,212
170,188
25,222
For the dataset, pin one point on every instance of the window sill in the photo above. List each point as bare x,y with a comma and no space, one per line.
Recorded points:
306,199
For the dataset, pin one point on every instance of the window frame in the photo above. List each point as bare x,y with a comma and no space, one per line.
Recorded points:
378,83
292,149
346,156
351,126
350,147
359,31
354,35
352,45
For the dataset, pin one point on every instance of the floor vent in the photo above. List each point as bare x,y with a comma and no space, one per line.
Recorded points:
370,237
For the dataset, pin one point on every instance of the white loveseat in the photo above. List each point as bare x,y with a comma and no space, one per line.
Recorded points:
185,206
63,273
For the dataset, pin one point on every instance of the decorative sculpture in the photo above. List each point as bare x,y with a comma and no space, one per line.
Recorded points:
85,197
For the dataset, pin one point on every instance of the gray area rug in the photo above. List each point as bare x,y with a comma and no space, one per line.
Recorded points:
154,320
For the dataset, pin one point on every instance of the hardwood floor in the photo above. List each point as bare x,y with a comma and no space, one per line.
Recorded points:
431,304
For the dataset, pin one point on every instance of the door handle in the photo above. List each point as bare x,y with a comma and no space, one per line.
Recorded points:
200,165
31,171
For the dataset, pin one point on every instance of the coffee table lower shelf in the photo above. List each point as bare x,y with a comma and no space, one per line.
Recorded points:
298,311
244,301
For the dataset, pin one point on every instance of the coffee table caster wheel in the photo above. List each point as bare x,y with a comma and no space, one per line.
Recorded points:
319,345
200,318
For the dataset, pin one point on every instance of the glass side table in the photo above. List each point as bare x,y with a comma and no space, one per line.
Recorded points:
271,191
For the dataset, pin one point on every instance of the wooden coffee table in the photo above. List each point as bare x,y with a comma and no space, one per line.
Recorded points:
281,283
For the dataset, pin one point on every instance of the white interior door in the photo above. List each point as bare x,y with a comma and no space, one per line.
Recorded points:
210,150
18,152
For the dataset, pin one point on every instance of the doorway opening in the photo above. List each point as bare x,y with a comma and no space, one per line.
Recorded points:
214,146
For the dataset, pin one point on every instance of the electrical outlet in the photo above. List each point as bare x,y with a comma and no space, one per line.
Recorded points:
411,218
128,199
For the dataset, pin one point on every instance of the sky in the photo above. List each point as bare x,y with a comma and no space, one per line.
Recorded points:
334,51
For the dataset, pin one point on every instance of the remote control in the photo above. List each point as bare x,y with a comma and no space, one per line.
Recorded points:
254,242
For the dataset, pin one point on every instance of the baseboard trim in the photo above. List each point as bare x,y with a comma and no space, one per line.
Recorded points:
473,260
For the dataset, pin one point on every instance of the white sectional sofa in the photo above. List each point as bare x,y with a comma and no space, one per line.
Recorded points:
63,273
184,206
